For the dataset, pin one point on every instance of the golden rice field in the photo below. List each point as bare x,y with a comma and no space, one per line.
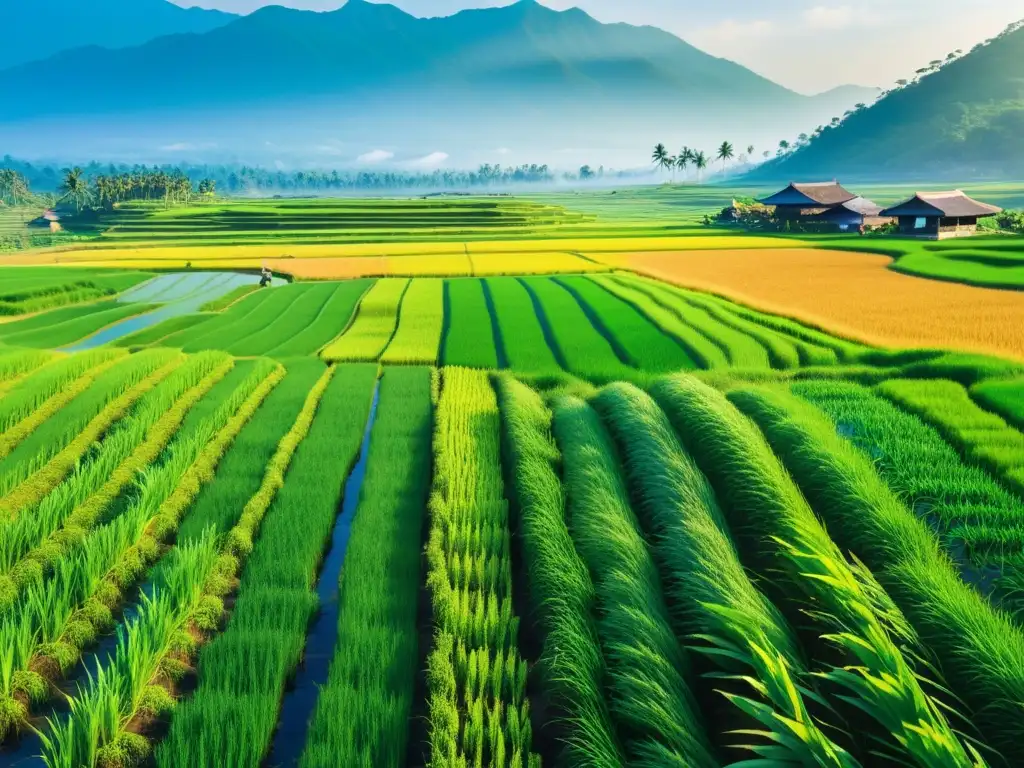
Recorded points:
852,294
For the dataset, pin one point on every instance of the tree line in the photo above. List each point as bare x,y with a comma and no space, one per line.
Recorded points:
102,185
699,159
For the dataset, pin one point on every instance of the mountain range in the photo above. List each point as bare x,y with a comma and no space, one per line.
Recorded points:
321,86
965,120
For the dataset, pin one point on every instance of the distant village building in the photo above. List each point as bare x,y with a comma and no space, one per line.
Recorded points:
827,203
50,220
940,215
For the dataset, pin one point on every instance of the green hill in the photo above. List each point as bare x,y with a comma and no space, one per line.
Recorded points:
963,121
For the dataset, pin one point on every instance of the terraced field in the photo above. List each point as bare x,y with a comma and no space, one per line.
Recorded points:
582,518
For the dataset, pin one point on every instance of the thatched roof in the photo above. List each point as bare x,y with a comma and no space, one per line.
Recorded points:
810,195
952,204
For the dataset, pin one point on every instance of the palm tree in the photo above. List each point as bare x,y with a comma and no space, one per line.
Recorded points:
76,187
750,150
660,156
725,152
683,159
700,162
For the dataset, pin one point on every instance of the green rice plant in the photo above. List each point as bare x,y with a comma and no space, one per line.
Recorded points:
44,458
16,364
245,332
980,650
334,315
243,468
230,719
229,298
67,611
286,323
1004,396
582,347
60,334
561,591
782,536
31,543
523,338
469,341
741,349
373,326
129,686
639,341
702,350
983,437
49,380
474,665
417,338
243,311
362,712
54,317
959,500
648,671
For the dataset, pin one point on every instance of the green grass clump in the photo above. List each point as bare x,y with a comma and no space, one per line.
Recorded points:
523,338
417,339
561,591
469,339
978,648
648,672
636,338
476,678
583,349
362,711
373,326
230,719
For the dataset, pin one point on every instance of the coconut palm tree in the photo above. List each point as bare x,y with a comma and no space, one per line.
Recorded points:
683,159
76,187
700,162
660,156
725,152
750,150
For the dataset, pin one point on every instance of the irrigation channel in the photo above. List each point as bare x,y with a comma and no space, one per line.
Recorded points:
180,293
300,700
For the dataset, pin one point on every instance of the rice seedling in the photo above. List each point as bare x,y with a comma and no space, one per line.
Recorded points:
49,380
156,334
229,298
583,349
218,325
245,328
370,331
648,671
45,457
32,543
741,350
523,338
561,591
362,712
16,364
983,437
784,537
702,350
637,339
979,649
64,613
474,666
1004,396
469,339
417,338
230,719
59,334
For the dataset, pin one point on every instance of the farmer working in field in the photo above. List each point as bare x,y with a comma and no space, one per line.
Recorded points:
265,275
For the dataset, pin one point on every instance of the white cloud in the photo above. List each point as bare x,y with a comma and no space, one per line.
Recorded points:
434,158
181,146
376,156
825,17
328,149
504,151
731,31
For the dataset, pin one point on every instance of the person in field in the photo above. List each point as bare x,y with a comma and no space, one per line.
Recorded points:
265,276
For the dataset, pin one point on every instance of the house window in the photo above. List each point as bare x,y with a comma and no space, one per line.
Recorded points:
920,222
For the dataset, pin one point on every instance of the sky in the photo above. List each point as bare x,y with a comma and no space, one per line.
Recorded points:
806,45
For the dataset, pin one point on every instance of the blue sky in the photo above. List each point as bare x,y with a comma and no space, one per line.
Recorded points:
807,45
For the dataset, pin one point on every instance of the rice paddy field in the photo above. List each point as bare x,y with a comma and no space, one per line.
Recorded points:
641,508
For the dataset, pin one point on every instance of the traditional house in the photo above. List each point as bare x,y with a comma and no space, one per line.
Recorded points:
940,215
810,199
50,220
852,215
